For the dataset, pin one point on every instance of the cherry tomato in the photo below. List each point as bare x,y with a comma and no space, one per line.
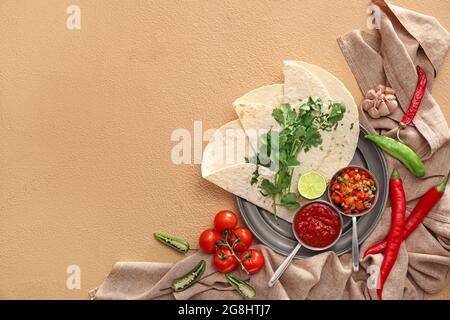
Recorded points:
244,239
208,240
224,261
253,260
225,219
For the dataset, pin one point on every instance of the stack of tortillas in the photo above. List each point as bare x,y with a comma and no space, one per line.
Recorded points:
224,158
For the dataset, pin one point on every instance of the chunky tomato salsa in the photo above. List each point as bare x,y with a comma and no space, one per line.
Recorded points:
353,191
317,225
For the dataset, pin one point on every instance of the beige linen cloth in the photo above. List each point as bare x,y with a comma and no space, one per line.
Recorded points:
406,38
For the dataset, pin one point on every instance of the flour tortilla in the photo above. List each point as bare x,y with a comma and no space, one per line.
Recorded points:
236,177
344,139
300,83
271,95
255,113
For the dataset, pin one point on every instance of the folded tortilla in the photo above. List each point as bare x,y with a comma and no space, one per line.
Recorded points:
234,174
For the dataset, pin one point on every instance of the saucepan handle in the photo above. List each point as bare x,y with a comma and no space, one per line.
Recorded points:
355,246
283,266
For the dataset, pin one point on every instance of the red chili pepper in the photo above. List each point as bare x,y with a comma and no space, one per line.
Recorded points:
376,248
414,105
420,211
395,236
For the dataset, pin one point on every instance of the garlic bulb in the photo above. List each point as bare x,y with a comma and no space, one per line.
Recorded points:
379,102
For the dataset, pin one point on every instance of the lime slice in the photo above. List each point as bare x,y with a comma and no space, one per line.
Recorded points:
312,185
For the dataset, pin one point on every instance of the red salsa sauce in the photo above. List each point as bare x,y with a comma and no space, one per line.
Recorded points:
317,225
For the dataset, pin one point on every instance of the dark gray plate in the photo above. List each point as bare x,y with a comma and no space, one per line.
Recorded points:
277,234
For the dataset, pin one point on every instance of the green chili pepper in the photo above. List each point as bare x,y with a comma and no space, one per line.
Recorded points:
184,282
400,151
175,243
242,287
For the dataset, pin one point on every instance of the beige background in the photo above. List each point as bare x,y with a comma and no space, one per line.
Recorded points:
86,118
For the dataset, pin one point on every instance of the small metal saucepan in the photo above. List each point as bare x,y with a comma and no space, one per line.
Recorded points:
354,216
300,243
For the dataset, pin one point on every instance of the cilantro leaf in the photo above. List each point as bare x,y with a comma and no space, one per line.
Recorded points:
284,179
292,162
312,138
255,176
336,113
284,114
278,116
299,132
269,187
289,201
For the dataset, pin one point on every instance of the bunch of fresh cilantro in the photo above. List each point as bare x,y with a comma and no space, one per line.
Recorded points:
300,130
